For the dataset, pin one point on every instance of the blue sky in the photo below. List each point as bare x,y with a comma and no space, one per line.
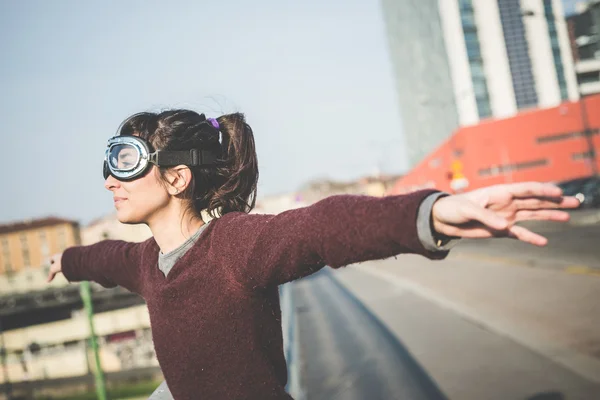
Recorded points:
313,78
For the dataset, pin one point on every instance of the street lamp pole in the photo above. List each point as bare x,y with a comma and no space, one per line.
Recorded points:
86,297
587,131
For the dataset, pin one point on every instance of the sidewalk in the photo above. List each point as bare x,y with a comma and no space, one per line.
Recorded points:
552,313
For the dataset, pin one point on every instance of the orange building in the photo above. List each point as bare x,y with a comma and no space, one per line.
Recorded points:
547,145
29,244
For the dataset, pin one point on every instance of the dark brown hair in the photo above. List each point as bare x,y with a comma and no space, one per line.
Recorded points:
228,186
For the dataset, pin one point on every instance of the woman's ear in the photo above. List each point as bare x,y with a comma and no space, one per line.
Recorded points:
179,178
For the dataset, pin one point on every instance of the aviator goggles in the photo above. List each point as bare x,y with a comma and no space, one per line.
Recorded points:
129,157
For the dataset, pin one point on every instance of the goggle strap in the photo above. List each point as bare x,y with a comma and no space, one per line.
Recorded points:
191,158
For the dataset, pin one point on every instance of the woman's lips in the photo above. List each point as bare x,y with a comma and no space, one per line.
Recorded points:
119,200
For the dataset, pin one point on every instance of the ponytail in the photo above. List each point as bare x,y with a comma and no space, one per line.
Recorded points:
237,173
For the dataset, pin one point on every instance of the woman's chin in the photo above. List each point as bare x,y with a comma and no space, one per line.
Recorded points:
126,218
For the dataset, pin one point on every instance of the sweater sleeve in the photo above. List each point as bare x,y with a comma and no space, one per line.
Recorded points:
109,263
337,231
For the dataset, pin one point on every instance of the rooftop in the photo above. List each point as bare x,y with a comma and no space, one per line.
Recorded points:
34,224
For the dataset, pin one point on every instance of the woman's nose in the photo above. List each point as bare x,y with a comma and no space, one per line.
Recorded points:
111,183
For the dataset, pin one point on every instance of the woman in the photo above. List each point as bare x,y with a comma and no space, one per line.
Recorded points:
211,271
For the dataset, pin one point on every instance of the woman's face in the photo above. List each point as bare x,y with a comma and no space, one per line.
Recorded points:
137,201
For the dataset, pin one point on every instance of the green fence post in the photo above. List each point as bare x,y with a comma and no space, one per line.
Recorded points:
86,296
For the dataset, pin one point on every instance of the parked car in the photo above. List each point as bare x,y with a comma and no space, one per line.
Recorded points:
571,187
587,190
590,194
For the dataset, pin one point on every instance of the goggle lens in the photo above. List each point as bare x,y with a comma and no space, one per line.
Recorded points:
123,157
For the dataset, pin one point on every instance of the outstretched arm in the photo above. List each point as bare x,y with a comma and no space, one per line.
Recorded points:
343,230
336,231
109,263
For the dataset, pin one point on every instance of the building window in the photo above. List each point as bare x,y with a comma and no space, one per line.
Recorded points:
8,269
558,137
517,50
61,236
44,248
72,343
586,52
6,256
484,107
25,250
482,98
564,136
468,19
582,156
589,77
556,52
508,168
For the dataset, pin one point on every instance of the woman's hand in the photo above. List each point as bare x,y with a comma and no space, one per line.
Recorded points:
55,266
493,211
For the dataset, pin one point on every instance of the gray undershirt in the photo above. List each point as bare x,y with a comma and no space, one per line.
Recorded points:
166,261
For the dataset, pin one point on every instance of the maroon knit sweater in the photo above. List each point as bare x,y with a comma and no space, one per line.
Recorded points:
216,321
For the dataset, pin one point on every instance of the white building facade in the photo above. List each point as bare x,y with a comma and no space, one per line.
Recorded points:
506,56
502,56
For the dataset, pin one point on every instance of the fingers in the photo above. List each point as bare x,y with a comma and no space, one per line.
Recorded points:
546,203
525,235
542,215
570,202
485,217
537,203
533,189
470,231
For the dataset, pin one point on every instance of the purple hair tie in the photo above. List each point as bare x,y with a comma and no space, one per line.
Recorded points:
214,123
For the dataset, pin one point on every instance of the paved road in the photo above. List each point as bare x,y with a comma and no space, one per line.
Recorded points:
465,358
420,351
569,246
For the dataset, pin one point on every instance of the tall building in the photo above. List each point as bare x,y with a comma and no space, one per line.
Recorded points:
584,29
422,72
458,62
